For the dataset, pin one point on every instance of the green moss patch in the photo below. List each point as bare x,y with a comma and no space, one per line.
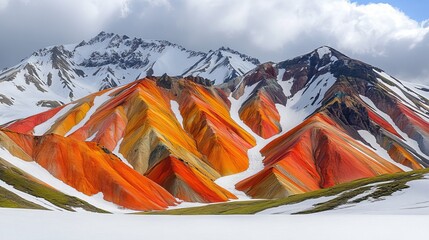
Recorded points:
21,182
9,199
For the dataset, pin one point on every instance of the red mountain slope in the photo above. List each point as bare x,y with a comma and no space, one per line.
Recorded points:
316,154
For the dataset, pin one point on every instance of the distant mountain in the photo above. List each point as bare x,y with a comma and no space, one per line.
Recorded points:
285,128
222,65
59,74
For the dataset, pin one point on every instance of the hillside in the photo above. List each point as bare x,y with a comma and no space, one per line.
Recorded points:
282,129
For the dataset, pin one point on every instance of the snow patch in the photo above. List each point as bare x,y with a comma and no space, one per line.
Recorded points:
45,126
97,102
91,137
372,141
176,111
410,142
398,88
296,207
305,102
285,85
119,155
420,90
410,201
322,51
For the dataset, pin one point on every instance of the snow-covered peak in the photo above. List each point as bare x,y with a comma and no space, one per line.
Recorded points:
101,37
222,65
324,50
63,73
125,52
327,54
231,52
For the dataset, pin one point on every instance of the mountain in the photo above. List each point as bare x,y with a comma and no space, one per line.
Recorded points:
296,126
56,75
222,65
329,104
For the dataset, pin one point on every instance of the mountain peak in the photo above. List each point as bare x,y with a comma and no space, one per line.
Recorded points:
222,65
102,36
323,50
64,72
332,52
243,56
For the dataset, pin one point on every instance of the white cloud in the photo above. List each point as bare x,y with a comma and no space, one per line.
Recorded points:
277,23
280,29
3,4
125,10
268,29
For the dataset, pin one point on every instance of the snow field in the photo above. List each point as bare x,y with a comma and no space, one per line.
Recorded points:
71,226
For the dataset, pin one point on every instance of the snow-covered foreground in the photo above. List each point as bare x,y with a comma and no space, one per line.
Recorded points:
33,224
412,200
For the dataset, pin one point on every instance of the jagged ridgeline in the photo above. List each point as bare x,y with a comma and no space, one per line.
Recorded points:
59,74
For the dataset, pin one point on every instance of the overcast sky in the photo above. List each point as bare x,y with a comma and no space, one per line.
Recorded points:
395,38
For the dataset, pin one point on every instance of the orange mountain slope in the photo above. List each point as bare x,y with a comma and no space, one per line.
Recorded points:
186,182
206,116
258,111
137,121
261,115
89,168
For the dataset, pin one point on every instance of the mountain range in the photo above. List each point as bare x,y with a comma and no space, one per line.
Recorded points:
148,124
59,74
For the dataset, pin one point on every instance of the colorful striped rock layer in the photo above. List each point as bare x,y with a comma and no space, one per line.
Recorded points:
282,128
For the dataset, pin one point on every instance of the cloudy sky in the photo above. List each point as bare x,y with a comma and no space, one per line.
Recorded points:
393,35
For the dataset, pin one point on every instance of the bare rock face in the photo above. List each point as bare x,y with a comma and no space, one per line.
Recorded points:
5,100
49,104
